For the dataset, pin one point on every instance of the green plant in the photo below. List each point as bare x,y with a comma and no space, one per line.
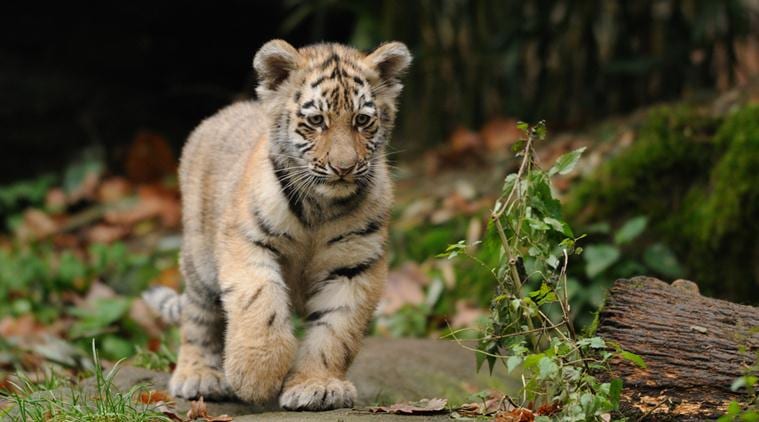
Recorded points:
162,359
530,325
59,400
612,254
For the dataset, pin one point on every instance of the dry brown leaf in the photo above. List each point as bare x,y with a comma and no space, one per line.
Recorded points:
421,407
149,158
55,200
154,396
498,134
548,409
141,313
404,286
36,225
517,415
169,277
494,403
113,189
153,201
104,233
198,410
466,314
463,141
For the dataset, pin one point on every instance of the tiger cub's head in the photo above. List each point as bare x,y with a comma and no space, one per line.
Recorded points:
332,109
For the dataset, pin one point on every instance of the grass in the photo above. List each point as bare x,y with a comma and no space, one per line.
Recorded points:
59,400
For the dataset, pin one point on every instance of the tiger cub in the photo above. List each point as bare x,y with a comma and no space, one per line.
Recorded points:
286,202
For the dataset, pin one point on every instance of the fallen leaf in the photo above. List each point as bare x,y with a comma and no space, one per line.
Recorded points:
154,396
198,410
517,415
548,409
104,233
498,134
55,200
113,189
421,407
153,201
140,313
466,314
167,408
169,277
404,286
36,225
149,158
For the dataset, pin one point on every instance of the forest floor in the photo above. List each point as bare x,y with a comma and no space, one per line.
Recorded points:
78,248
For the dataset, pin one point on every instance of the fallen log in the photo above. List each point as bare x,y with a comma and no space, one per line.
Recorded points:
694,348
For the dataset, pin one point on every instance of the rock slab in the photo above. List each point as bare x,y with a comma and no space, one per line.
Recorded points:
384,372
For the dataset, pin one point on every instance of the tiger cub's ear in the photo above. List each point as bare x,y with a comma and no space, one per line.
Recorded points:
390,60
274,62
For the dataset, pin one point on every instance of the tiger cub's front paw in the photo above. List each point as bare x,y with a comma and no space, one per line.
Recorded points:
191,382
317,394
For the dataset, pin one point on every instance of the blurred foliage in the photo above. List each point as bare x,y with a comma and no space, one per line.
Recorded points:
694,176
567,61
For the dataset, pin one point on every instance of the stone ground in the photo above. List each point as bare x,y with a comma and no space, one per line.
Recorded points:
386,371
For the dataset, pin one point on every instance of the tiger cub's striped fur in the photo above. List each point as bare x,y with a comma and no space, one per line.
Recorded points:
286,202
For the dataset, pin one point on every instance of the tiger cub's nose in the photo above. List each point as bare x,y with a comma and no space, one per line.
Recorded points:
342,170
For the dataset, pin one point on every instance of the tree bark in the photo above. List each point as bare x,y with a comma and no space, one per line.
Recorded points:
694,348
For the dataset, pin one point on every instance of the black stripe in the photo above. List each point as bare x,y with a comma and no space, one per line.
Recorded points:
308,104
358,80
370,228
253,298
204,322
295,205
297,96
324,359
163,301
268,247
354,270
271,319
317,315
318,82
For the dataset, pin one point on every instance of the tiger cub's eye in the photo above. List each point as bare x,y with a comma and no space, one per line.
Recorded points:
315,119
362,119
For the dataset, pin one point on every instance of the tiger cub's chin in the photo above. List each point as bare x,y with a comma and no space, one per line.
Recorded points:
336,190
260,240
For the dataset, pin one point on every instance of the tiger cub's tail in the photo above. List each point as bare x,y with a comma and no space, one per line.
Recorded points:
166,302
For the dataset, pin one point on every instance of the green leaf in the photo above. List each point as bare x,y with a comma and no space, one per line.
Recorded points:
512,362
632,357
566,163
615,391
547,368
100,315
630,230
598,258
559,226
552,261
545,295
661,259
592,342
734,408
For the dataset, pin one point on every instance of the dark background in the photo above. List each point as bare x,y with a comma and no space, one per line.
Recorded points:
74,74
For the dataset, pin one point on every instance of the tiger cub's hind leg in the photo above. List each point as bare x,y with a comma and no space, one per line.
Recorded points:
199,370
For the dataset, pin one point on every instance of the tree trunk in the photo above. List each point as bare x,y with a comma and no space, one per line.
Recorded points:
694,348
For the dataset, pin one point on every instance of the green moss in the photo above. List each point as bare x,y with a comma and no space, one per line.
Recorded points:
663,162
695,177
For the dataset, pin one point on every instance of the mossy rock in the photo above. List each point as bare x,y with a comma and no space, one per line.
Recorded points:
695,177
